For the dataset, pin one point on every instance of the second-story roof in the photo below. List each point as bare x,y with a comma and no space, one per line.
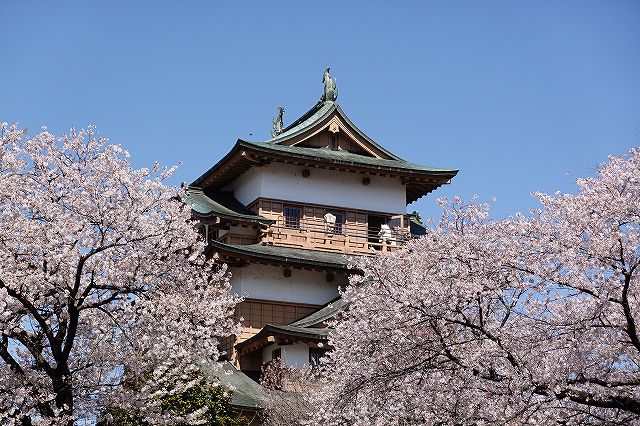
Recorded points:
220,204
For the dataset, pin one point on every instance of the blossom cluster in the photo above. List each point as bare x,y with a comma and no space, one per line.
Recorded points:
528,320
105,294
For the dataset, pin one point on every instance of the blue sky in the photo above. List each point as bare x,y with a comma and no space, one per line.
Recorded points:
520,96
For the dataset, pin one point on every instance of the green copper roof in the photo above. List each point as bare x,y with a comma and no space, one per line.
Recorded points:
287,330
344,157
246,393
288,254
291,330
220,204
315,114
319,112
323,314
242,156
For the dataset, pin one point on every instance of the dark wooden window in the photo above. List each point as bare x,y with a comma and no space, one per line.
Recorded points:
339,222
314,356
336,228
276,353
292,216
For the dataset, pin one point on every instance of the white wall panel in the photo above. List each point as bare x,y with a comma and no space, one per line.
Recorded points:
269,283
326,187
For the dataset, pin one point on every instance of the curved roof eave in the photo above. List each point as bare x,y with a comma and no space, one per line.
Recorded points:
220,162
289,255
205,205
312,154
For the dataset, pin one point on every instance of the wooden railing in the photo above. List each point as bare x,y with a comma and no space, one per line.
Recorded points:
346,237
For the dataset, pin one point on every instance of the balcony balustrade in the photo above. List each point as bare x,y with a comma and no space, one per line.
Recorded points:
348,237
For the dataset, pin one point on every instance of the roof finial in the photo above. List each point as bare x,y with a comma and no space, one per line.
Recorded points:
330,89
276,123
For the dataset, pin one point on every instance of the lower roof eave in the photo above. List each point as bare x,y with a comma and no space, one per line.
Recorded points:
259,253
271,334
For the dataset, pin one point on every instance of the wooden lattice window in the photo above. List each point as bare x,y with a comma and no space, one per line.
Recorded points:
276,354
292,216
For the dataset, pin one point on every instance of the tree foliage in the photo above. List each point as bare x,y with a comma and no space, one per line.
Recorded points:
288,389
529,320
100,268
203,404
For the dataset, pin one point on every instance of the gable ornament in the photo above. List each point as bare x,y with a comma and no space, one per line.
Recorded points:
330,89
276,124
334,127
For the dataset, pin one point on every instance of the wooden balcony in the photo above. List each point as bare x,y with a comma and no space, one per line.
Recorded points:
347,237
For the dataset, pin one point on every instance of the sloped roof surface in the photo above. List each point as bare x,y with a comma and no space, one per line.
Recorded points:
219,203
343,157
288,254
287,330
323,314
247,394
318,333
317,113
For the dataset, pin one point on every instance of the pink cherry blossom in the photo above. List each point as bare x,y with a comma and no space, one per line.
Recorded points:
529,320
105,294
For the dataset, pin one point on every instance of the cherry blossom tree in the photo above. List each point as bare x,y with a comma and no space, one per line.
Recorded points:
105,296
529,320
287,390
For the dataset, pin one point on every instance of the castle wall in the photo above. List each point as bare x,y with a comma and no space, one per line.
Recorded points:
265,282
328,187
296,354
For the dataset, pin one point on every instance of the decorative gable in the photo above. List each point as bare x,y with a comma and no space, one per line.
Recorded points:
332,131
338,136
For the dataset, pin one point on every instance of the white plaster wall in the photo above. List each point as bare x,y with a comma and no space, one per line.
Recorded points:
267,352
257,281
296,355
328,187
292,355
248,186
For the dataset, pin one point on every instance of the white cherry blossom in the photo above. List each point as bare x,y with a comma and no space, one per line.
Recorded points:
529,320
105,294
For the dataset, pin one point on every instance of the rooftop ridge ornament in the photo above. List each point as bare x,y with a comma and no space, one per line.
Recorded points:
276,123
330,89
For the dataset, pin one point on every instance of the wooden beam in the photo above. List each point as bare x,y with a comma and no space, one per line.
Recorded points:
247,156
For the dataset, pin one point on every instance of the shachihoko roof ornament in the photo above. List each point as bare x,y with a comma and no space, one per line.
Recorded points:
277,124
330,89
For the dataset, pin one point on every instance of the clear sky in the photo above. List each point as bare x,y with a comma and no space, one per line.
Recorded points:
520,96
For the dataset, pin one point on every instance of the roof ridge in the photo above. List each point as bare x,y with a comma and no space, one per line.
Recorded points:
298,126
304,116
